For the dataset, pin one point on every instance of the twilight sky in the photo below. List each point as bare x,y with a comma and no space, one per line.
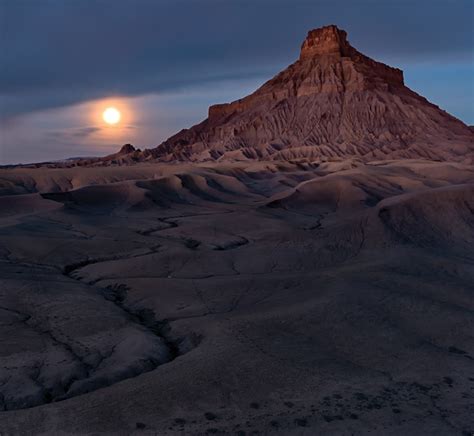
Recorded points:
163,62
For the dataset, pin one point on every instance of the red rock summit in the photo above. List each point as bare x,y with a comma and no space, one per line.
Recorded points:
326,40
332,102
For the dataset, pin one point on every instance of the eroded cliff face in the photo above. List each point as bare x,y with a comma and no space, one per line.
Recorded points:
333,101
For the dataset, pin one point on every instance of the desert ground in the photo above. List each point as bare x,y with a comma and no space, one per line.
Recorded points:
306,298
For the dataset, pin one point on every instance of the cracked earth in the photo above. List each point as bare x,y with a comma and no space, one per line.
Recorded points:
239,299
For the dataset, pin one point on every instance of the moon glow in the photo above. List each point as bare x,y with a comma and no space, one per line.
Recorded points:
111,115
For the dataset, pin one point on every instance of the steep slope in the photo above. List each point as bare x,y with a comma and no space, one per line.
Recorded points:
332,102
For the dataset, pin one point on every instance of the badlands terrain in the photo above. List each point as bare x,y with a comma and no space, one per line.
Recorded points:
301,262
238,298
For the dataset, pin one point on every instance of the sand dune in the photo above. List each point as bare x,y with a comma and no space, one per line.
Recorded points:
299,298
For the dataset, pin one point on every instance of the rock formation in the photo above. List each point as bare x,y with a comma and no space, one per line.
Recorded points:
126,149
127,155
332,102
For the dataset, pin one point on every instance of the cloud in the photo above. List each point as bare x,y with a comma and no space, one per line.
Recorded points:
82,132
57,53
74,133
85,131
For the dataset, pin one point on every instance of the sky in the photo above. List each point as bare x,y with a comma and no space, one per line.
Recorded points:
163,62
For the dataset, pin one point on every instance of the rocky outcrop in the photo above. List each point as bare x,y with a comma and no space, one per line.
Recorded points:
127,155
126,149
332,102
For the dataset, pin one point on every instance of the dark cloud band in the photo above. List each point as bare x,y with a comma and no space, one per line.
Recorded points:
57,52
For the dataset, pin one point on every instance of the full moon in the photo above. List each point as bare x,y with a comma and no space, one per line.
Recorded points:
111,115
